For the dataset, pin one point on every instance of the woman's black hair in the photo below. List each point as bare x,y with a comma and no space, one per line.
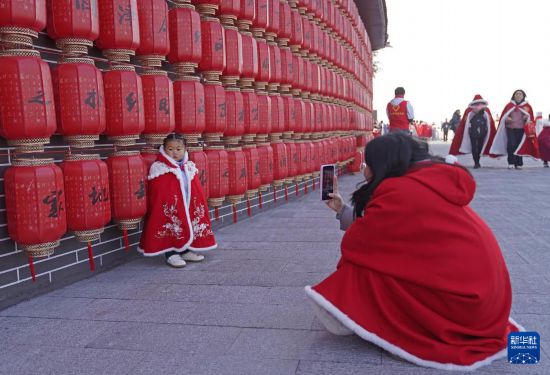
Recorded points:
174,137
391,155
523,92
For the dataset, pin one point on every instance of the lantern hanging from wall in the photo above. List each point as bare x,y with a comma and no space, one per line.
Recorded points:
264,116
185,37
119,36
250,60
80,98
27,112
215,111
213,60
235,116
124,105
87,198
218,175
20,23
197,156
158,106
189,108
153,27
252,170
251,116
237,175
234,56
280,163
149,154
265,153
127,180
35,205
73,24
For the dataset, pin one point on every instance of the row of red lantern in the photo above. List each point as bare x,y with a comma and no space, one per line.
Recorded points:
43,201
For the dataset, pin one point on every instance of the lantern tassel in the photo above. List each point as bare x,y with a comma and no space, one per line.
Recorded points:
31,268
248,209
91,257
286,193
234,213
274,195
216,214
260,200
313,185
125,238
305,188
297,189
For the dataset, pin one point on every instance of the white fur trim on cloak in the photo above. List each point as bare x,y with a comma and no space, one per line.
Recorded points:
466,144
348,323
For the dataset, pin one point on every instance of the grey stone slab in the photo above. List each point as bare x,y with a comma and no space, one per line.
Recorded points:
330,348
24,360
177,339
273,343
336,368
49,307
165,364
139,311
252,316
531,304
50,332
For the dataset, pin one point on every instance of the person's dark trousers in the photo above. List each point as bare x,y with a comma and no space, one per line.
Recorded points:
445,134
514,139
477,146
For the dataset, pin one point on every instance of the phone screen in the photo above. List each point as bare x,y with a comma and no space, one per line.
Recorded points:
327,181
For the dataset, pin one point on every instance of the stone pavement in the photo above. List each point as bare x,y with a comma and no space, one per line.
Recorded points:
243,310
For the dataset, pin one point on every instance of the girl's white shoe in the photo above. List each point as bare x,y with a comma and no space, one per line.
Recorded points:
190,256
176,261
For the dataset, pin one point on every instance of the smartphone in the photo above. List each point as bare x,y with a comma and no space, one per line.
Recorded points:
327,181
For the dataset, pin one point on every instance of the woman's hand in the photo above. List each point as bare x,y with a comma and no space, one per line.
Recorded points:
336,203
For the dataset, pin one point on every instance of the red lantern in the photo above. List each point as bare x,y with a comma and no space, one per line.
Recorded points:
87,196
35,205
287,71
264,116
124,105
264,69
308,117
299,73
306,30
158,106
118,29
78,87
207,8
302,151
265,153
250,60
280,166
74,24
127,176
261,21
185,38
277,115
275,66
237,175
229,11
289,115
293,160
297,37
234,57
149,155
299,117
197,156
285,23
251,116
274,19
235,115
213,60
27,113
218,175
153,27
215,111
315,161
246,15
21,21
189,107
252,170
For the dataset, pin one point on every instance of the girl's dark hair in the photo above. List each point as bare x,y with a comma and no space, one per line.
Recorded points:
391,155
523,92
174,137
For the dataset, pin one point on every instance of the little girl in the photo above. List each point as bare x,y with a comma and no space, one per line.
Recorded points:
177,216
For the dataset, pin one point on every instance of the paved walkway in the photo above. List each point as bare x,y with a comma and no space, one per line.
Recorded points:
243,310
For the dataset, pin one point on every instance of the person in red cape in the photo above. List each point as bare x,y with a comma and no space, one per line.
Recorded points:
177,218
421,274
476,131
511,139
544,142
